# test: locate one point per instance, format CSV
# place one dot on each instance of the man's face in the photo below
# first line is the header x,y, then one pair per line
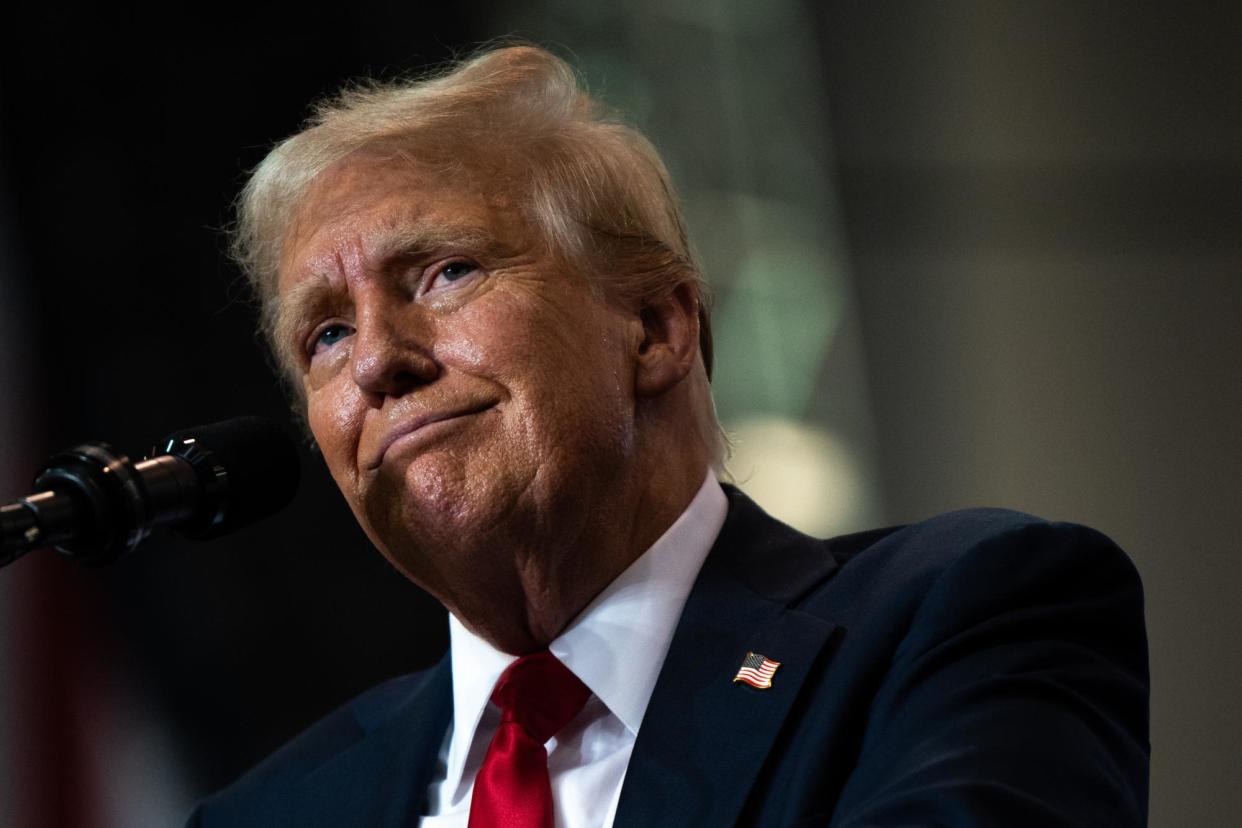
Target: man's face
x,y
471,395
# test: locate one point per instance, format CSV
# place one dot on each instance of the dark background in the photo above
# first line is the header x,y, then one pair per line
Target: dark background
x,y
1041,204
122,149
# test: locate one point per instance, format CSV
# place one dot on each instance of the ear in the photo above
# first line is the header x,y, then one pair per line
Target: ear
x,y
670,341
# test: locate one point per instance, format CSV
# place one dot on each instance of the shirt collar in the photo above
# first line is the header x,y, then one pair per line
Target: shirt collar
x,y
616,645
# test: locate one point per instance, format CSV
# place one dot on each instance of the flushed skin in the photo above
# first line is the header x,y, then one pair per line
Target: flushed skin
x,y
499,427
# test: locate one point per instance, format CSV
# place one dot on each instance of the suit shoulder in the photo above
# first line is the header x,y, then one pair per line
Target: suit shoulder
x,y
985,550
939,542
993,646
310,749
896,564
373,707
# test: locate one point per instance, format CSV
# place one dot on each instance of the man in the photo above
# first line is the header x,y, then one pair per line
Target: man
x,y
481,289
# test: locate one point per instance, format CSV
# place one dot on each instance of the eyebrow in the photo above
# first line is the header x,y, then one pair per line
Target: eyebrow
x,y
315,295
296,309
421,238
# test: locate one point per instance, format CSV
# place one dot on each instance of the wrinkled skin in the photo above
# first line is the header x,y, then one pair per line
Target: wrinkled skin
x,y
497,428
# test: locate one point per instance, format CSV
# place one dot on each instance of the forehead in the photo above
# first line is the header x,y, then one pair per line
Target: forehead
x,y
367,207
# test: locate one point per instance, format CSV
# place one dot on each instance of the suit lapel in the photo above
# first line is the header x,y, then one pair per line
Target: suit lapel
x,y
381,780
704,738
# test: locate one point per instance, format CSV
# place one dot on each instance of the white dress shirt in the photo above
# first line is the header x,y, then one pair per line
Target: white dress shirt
x,y
616,646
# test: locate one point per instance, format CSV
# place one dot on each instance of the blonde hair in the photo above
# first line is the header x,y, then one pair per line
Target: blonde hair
x,y
593,186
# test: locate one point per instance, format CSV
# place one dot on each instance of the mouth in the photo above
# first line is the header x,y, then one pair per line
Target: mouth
x,y
421,427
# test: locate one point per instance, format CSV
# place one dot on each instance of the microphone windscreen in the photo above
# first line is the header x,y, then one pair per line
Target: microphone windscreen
x,y
260,463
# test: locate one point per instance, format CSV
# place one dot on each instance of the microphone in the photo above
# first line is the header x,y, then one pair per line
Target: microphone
x,y
94,504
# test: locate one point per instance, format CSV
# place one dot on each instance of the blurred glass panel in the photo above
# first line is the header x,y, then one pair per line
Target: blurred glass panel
x,y
722,89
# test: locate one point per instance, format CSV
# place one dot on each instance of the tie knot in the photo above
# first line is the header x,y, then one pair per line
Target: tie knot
x,y
539,693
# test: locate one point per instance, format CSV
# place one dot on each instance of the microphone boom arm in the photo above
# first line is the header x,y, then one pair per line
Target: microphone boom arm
x,y
94,504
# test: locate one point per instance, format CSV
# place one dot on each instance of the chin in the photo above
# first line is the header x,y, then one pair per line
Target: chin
x,y
436,500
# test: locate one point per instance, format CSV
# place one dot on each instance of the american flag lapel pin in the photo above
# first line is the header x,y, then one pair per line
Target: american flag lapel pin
x,y
757,671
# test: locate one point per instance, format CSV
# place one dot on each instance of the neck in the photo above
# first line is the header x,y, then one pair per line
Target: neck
x,y
551,587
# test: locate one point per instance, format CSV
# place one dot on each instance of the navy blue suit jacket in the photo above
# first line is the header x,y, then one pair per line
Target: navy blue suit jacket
x,y
980,668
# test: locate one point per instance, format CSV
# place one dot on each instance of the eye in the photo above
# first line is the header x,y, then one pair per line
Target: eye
x,y
327,336
450,272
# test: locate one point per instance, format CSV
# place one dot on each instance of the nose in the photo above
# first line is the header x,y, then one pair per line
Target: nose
x,y
392,348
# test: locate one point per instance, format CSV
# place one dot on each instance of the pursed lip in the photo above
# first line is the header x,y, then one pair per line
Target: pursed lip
x,y
416,424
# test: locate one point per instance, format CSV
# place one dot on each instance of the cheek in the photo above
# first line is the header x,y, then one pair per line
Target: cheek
x,y
576,389
327,367
561,368
490,336
520,336
465,345
335,418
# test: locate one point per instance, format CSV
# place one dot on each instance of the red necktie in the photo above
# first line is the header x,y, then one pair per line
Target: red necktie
x,y
537,696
